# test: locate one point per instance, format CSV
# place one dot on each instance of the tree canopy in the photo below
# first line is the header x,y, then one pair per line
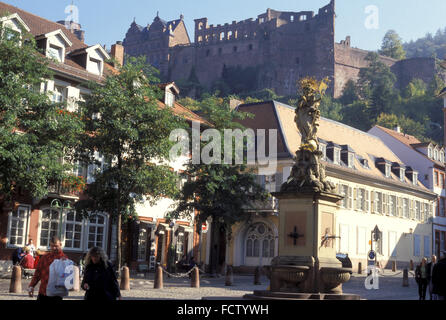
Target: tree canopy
x,y
392,46
36,134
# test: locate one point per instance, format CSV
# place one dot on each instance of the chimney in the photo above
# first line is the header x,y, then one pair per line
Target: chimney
x,y
117,52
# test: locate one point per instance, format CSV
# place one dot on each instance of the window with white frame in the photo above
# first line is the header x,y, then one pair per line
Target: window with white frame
x,y
169,99
406,208
435,154
55,52
323,149
417,210
378,202
415,178
336,156
429,152
96,231
49,226
344,192
442,156
180,246
402,174
351,158
392,205
426,212
58,94
73,230
95,66
387,170
18,221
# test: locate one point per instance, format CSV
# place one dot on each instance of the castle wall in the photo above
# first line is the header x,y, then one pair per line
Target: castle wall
x,y
348,62
415,68
283,46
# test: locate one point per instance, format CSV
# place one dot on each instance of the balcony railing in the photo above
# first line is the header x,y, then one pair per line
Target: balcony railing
x,y
62,189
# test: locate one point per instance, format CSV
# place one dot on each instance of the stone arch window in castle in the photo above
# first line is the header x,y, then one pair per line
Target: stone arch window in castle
x,y
250,47
235,49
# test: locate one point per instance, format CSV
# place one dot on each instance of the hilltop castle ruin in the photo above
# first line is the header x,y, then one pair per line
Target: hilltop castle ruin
x,y
282,47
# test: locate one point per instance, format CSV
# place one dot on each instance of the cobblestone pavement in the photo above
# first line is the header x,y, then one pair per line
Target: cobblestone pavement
x,y
390,288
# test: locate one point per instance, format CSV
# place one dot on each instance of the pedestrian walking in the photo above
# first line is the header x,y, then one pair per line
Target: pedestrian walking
x,y
99,280
439,278
31,247
421,279
28,260
17,256
42,272
430,268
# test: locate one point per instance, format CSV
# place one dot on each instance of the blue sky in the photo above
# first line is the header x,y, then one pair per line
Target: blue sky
x,y
107,21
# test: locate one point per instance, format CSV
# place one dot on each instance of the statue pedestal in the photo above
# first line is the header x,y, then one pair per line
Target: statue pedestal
x,y
307,267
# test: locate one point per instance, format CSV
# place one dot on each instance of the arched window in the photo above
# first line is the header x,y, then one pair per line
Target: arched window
x,y
49,227
260,241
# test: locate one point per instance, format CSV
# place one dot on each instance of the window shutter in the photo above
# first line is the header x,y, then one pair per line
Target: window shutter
x,y
367,201
399,208
49,86
349,200
411,209
386,204
372,199
355,198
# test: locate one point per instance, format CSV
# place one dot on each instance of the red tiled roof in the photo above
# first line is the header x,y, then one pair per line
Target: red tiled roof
x,y
402,137
39,26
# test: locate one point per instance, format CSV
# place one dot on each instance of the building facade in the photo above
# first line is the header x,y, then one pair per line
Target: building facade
x,y
145,239
377,192
428,159
278,47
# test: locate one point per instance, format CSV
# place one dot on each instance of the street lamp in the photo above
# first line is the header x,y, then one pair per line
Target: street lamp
x,y
58,205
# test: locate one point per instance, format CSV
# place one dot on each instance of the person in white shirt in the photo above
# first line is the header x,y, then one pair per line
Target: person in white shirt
x,y
32,248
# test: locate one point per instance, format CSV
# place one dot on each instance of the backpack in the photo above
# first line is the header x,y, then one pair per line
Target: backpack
x,y
60,278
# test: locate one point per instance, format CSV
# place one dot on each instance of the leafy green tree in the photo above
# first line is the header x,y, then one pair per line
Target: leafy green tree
x,y
220,191
331,109
350,93
35,134
376,84
416,88
407,125
392,46
126,125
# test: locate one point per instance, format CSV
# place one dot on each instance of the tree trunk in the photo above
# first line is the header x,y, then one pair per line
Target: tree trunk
x,y
118,239
213,262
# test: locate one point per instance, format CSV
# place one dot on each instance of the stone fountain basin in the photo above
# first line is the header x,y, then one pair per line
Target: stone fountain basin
x,y
290,274
333,277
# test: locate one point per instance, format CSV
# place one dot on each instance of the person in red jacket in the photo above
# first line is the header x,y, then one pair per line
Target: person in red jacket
x,y
36,260
28,260
43,270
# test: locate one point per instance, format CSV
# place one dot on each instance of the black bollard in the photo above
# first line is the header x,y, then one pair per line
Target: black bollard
x,y
257,277
405,278
229,276
359,268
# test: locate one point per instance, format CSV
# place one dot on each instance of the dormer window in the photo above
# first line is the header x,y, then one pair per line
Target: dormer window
x,y
54,44
12,26
402,174
399,170
436,154
429,152
55,53
334,153
170,99
170,92
91,58
348,156
387,169
415,178
95,66
442,156
323,149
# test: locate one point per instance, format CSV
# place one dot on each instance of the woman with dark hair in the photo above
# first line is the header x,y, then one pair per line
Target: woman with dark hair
x,y
99,280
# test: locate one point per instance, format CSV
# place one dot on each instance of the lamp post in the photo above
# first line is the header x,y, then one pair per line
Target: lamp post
x,y
57,204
